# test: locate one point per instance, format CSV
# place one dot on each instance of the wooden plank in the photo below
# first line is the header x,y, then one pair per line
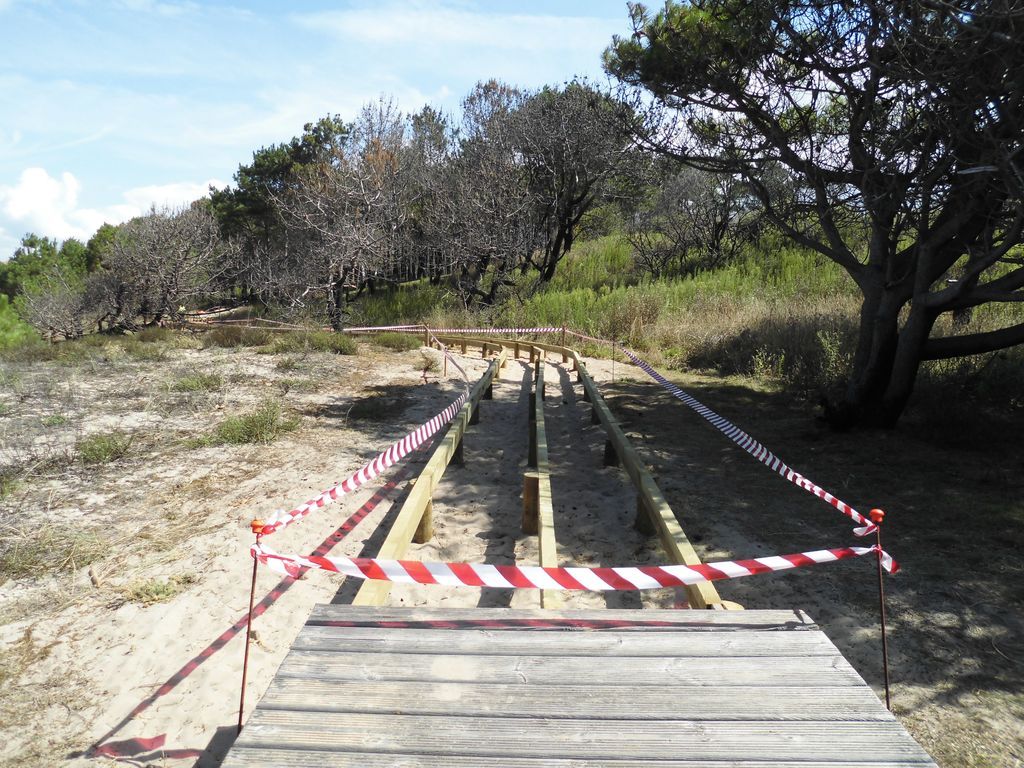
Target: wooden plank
x,y
566,670
255,757
677,545
525,642
612,702
628,620
580,738
411,514
547,545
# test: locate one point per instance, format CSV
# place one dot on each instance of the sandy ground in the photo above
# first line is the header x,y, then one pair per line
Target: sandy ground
x,y
88,663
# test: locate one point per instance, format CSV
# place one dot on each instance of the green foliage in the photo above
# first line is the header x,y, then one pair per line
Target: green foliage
x,y
103,448
198,382
262,425
400,342
408,303
54,420
14,331
38,257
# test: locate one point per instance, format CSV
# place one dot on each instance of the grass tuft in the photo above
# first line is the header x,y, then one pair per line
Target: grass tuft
x,y
262,425
198,382
103,448
154,591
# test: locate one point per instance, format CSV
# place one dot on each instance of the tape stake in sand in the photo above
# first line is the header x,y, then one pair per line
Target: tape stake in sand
x,y
535,577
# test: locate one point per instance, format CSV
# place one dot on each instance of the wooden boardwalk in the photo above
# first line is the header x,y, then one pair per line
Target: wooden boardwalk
x,y
374,687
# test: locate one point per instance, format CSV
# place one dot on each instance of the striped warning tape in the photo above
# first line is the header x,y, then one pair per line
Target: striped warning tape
x,y
496,330
570,578
755,448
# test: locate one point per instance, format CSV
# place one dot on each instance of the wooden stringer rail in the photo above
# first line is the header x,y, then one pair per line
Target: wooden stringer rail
x,y
538,511
654,514
415,518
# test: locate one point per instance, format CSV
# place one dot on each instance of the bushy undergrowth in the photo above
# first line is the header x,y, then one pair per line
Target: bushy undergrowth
x,y
400,342
314,341
14,332
231,336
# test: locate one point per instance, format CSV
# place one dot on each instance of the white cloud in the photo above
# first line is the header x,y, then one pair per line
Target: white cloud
x,y
50,206
430,25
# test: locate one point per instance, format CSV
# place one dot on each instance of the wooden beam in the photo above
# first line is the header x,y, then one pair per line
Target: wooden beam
x,y
652,501
410,517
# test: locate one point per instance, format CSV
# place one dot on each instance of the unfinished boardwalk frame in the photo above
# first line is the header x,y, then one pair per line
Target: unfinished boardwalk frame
x,y
415,519
654,514
538,510
501,688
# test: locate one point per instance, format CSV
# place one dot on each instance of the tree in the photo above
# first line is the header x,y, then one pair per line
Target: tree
x,y
161,261
571,142
694,220
898,127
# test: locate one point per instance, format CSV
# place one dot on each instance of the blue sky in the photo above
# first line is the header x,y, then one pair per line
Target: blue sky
x,y
109,107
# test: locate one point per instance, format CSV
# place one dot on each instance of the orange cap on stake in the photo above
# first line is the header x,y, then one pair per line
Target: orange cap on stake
x,y
257,526
877,516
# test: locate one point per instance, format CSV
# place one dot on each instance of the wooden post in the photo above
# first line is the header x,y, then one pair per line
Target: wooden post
x,y
594,418
531,507
426,336
611,458
425,530
458,458
515,351
474,416
489,392
643,523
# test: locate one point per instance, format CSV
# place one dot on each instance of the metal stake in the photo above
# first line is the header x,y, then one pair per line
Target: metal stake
x,y
877,516
256,524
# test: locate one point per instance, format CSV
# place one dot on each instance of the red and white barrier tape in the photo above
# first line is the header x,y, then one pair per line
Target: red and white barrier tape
x,y
572,578
755,449
495,330
383,328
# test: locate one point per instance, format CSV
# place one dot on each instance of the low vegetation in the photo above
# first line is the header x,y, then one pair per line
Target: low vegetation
x,y
262,425
151,591
198,382
400,342
47,550
104,447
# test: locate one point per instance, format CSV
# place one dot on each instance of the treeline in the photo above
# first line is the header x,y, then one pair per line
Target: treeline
x,y
487,204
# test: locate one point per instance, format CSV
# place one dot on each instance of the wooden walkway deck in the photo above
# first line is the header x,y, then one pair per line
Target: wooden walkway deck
x,y
373,687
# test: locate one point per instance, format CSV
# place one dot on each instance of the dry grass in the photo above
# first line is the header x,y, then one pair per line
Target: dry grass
x,y
151,591
50,549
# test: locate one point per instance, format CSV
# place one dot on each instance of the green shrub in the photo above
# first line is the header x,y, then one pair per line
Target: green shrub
x,y
198,382
54,420
14,332
103,448
263,425
234,336
287,364
400,342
